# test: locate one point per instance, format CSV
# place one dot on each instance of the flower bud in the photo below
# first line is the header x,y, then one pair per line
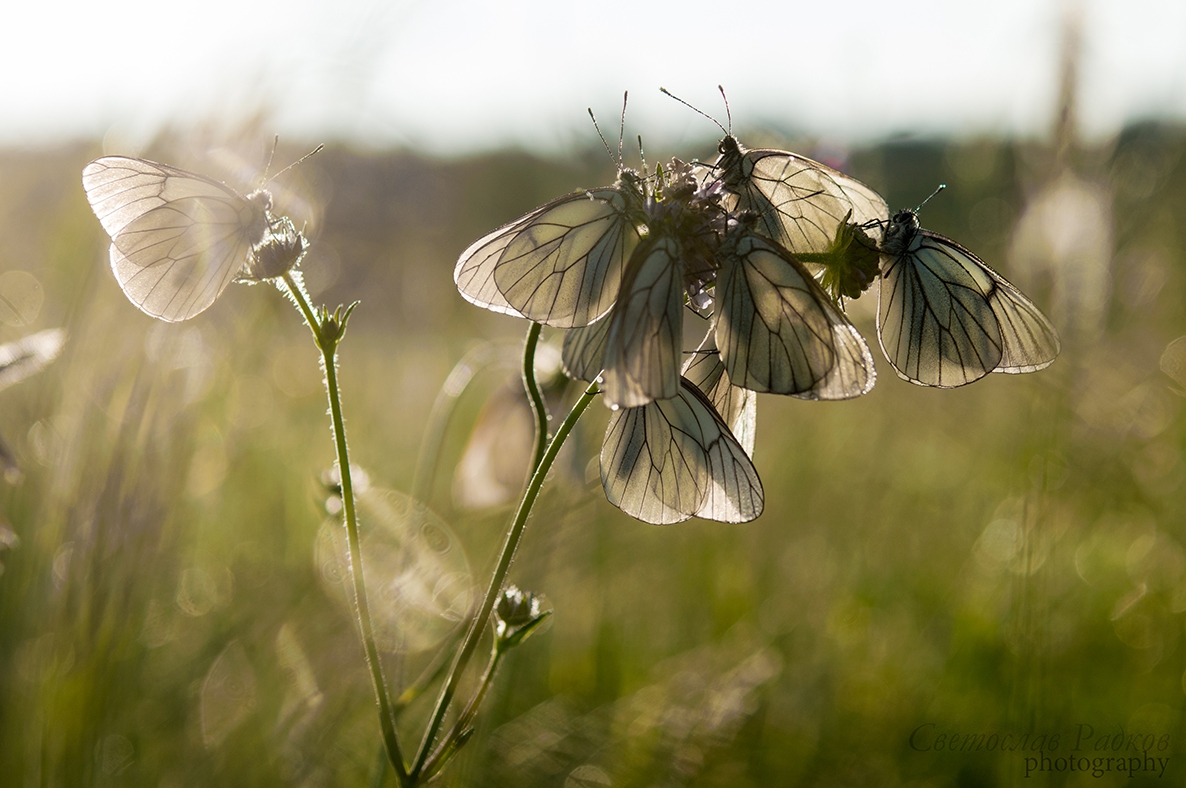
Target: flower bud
x,y
516,616
280,251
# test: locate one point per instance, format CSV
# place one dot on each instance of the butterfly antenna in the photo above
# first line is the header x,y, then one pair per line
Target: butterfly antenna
x,y
669,94
603,141
942,186
728,112
272,155
318,149
622,126
642,155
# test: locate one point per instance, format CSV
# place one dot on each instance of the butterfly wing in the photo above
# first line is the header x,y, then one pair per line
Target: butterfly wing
x,y
800,203
1030,341
177,238
583,353
737,406
643,340
935,321
779,332
675,458
560,265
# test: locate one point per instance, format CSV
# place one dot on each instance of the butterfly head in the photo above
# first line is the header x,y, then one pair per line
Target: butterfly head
x,y
900,232
262,199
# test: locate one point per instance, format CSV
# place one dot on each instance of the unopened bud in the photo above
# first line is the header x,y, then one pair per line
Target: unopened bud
x,y
517,615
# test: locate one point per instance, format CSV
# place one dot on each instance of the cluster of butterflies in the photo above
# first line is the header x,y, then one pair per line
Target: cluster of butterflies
x,y
767,244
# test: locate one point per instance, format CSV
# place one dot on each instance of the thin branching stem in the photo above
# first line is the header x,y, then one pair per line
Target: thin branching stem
x,y
495,588
448,746
327,341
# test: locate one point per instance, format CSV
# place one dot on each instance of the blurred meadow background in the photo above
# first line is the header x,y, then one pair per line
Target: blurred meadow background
x,y
1004,558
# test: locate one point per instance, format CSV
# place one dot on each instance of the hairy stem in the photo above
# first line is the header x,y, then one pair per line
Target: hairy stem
x,y
327,342
496,582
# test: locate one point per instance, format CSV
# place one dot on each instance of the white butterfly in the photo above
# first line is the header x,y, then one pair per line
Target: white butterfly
x,y
800,203
945,318
177,238
673,459
561,264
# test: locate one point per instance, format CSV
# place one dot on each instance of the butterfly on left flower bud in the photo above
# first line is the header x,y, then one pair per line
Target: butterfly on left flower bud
x,y
179,238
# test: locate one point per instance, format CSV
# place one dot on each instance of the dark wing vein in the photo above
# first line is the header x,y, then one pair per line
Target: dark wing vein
x,y
705,370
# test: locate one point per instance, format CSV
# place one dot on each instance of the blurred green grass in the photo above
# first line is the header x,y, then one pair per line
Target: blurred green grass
x,y
1007,557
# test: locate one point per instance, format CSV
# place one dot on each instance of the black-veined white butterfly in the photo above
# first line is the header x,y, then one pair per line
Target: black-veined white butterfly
x,y
944,318
675,458
800,203
777,330
561,264
637,347
177,238
584,351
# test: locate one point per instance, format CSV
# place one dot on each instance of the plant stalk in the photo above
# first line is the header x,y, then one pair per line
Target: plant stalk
x,y
329,346
514,535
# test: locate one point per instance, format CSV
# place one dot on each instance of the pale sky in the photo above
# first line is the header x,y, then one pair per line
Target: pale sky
x,y
463,75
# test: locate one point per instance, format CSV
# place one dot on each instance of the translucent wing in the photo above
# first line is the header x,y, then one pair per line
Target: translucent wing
x,y
560,265
737,406
177,238
642,345
1030,341
800,203
584,350
675,458
946,319
778,332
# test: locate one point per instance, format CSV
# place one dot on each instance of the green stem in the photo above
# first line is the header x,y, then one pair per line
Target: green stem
x,y
327,342
538,408
442,754
504,564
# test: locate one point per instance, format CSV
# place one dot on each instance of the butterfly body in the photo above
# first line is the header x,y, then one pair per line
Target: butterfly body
x,y
945,318
177,238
